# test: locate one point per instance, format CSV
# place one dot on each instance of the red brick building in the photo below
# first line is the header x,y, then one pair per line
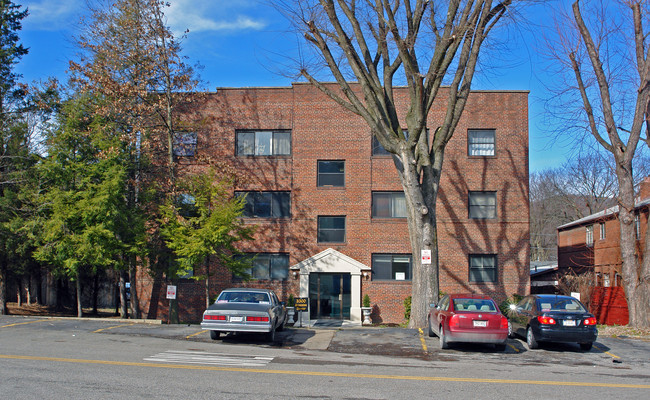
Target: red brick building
x,y
591,245
330,207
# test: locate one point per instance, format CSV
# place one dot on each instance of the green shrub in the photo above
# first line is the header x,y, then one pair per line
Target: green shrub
x,y
505,304
407,308
366,301
291,302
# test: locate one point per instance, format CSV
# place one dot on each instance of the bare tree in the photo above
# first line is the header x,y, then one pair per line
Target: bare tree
x,y
373,42
605,53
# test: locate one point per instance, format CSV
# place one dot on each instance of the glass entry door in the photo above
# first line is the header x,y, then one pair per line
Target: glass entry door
x,y
329,296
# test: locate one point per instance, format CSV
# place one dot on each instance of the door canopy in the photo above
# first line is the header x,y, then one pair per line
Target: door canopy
x,y
330,260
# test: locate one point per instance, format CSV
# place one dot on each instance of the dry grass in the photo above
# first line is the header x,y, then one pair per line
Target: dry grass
x,y
623,331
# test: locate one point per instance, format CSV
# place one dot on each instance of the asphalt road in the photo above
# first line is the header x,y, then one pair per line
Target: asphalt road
x,y
99,359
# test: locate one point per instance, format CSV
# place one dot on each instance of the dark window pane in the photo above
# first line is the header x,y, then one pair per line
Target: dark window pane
x,y
331,229
391,267
482,268
388,205
245,143
281,205
282,143
280,267
377,148
184,144
482,205
331,173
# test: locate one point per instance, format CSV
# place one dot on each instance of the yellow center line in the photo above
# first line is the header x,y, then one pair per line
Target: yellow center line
x,y
607,352
328,374
424,344
195,334
112,327
513,347
22,323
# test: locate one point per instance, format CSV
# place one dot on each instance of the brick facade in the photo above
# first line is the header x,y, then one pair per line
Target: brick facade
x,y
322,130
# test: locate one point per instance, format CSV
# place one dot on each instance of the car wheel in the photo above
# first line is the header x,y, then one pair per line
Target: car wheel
x,y
500,347
431,334
214,335
511,334
586,346
271,335
443,338
530,339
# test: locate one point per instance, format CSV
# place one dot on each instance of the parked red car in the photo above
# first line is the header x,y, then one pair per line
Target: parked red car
x,y
469,318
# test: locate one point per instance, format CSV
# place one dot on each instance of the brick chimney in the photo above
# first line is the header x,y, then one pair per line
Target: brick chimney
x,y
644,188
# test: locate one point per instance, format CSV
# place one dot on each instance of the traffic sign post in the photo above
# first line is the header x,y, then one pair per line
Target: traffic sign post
x,y
171,295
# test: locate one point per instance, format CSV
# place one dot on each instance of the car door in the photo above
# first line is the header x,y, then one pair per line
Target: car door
x,y
442,312
520,315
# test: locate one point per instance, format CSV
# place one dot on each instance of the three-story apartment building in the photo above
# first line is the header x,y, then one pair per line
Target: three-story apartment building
x,y
330,208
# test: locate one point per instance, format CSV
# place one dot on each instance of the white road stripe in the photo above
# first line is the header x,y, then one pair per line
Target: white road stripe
x,y
198,357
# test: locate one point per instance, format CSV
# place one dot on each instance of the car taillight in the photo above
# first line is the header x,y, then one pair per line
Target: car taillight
x,y
215,317
257,319
590,321
504,322
546,320
454,321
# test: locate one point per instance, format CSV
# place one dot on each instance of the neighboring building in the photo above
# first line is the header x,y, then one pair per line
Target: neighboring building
x,y
331,210
591,245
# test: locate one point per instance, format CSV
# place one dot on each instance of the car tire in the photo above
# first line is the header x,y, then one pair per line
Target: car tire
x,y
530,339
214,335
500,347
443,338
586,346
270,336
511,333
431,333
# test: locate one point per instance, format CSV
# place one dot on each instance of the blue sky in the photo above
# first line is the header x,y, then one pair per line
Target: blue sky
x,y
236,42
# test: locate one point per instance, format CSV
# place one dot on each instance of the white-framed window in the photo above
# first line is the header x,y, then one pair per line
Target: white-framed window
x,y
482,268
331,229
637,226
603,232
482,205
266,204
481,142
589,240
396,267
263,143
388,205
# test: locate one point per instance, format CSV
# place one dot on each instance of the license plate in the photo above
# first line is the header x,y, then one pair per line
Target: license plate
x,y
569,322
236,319
480,324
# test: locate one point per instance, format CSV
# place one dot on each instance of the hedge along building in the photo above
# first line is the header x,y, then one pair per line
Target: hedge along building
x,y
330,208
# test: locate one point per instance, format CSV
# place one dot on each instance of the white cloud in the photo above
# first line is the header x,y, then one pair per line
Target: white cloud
x,y
52,14
213,15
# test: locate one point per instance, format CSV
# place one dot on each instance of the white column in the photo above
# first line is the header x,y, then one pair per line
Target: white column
x,y
355,294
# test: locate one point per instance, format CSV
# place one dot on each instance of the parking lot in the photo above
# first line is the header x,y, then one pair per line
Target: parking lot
x,y
612,352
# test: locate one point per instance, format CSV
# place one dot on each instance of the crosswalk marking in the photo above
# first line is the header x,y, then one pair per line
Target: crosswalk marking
x,y
199,357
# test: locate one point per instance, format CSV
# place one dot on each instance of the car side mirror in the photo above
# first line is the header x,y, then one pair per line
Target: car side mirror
x,y
432,305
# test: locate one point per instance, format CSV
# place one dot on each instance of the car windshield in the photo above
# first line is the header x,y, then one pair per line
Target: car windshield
x,y
474,305
560,304
243,297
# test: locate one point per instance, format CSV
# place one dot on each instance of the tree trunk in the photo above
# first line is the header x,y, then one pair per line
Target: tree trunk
x,y
3,290
207,281
124,311
636,287
95,292
19,292
78,287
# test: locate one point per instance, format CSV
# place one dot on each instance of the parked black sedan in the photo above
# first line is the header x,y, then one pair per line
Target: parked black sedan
x,y
552,318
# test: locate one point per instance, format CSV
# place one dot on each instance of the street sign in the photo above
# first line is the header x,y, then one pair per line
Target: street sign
x,y
426,256
171,292
302,303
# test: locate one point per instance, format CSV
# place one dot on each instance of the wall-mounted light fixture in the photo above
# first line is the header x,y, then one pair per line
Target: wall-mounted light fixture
x,y
366,275
295,274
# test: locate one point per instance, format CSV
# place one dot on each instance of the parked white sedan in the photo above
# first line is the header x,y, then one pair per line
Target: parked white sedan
x,y
245,310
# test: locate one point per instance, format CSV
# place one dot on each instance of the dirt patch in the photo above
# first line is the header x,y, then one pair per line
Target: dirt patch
x,y
39,310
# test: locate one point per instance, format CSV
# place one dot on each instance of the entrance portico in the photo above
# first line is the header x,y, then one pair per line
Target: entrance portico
x,y
332,282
